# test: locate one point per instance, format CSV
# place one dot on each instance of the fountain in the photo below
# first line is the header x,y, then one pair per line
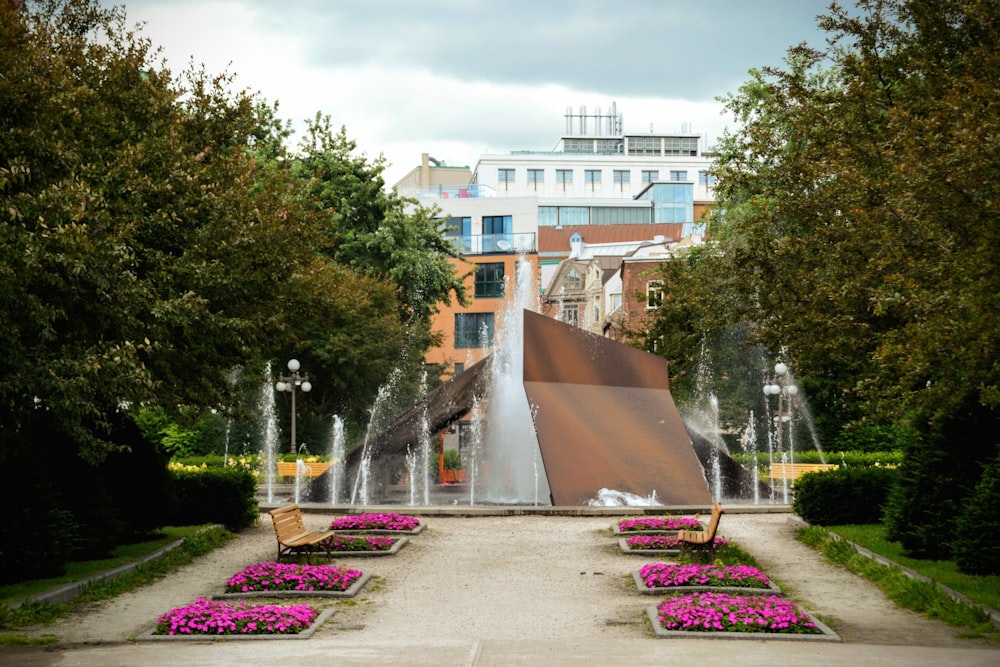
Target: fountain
x,y
510,472
337,451
266,409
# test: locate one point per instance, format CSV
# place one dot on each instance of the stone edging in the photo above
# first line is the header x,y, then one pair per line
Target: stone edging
x,y
349,592
68,591
912,574
623,545
643,589
380,531
305,634
396,546
827,635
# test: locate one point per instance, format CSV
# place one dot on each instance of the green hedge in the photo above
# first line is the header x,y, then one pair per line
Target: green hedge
x,y
216,495
842,496
976,541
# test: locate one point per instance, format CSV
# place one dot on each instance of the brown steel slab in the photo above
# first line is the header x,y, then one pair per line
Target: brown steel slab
x,y
605,418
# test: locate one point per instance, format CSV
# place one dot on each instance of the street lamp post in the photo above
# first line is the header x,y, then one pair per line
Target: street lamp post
x,y
294,380
783,386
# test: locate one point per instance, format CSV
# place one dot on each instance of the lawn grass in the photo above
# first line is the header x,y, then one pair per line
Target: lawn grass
x,y
125,553
198,541
927,598
983,589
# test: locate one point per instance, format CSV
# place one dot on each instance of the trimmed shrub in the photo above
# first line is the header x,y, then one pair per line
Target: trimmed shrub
x,y
976,546
843,496
942,464
216,495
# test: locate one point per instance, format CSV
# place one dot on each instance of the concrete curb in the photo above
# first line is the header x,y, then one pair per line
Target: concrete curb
x,y
68,591
912,574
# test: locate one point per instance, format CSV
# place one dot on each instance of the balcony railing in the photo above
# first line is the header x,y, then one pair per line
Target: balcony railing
x,y
488,244
436,192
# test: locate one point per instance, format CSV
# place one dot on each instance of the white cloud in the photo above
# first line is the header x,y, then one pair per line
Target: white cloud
x,y
459,79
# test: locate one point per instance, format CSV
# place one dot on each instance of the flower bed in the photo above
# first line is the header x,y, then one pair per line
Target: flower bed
x,y
206,619
712,614
273,579
658,544
657,524
378,523
364,545
657,578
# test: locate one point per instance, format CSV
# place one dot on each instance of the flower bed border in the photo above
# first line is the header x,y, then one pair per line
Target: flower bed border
x,y
320,619
616,529
826,634
380,531
349,592
643,589
391,551
646,552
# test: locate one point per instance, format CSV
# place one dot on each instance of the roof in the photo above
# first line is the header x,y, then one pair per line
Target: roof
x,y
555,240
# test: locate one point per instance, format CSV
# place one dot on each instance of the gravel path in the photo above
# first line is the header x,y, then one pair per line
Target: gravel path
x,y
525,578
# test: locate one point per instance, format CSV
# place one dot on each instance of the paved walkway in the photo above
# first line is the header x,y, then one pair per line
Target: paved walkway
x,y
516,590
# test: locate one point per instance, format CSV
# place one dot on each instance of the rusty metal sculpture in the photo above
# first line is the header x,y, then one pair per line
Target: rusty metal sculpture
x,y
602,412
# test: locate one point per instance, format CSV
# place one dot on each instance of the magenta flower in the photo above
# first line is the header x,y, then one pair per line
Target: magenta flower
x,y
665,575
206,617
720,612
384,521
272,576
359,542
659,523
663,542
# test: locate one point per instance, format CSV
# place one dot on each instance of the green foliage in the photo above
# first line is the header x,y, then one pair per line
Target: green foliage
x,y
920,596
976,543
36,613
835,239
943,462
844,495
452,459
870,437
216,495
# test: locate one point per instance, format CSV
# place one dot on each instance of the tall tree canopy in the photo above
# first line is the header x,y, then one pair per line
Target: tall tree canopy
x,y
859,221
156,235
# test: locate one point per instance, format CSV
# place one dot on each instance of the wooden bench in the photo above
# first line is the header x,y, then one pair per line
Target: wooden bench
x,y
312,468
793,471
293,538
702,540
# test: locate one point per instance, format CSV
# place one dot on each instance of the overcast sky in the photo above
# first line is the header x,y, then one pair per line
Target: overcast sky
x,y
459,78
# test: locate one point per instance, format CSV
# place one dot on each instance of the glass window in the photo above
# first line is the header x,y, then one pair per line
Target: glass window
x,y
654,294
564,178
650,176
505,177
574,215
536,177
489,279
616,301
548,216
498,224
621,177
620,215
592,177
571,315
705,178
473,330
574,280
678,175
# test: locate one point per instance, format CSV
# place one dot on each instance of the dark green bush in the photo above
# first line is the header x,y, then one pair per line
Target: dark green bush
x,y
941,465
976,544
216,495
842,496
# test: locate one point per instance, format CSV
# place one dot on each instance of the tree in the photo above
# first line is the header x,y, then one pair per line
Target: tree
x,y
858,226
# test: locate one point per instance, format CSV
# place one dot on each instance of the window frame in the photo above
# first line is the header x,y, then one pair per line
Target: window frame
x,y
487,284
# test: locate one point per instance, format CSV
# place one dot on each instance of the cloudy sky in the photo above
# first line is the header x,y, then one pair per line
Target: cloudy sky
x,y
459,78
